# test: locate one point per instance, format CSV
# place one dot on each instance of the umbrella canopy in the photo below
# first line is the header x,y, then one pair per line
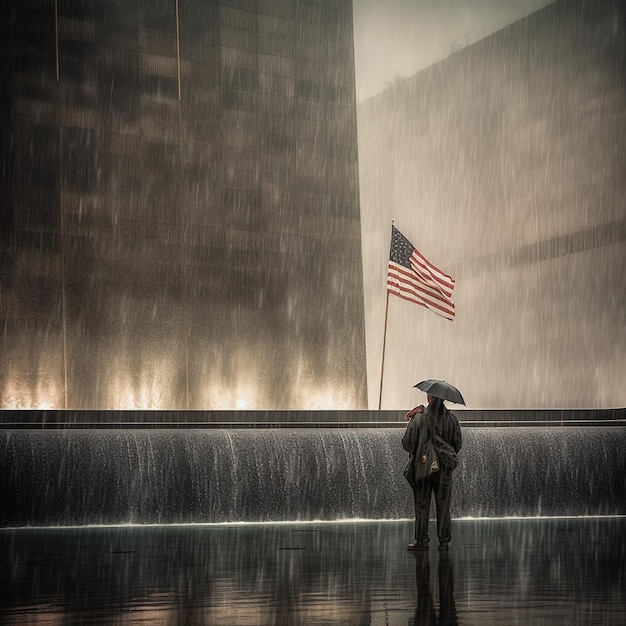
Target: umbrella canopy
x,y
441,389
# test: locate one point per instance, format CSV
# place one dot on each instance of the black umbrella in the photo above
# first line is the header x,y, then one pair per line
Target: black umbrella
x,y
441,389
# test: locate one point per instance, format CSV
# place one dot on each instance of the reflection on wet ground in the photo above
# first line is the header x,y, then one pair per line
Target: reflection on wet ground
x,y
530,571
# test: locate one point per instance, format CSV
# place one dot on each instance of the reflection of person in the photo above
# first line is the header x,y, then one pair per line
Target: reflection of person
x,y
447,607
425,613
436,419
425,608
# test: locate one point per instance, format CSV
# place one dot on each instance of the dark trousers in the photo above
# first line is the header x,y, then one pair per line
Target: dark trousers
x,y
441,485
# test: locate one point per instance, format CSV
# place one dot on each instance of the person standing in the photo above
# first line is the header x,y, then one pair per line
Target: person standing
x,y
443,425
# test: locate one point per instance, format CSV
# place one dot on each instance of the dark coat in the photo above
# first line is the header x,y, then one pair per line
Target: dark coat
x,y
442,422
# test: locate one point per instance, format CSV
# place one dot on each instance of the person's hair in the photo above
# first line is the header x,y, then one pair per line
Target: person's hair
x,y
436,412
437,408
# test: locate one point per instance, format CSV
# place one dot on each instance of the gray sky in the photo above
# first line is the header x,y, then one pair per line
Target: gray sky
x,y
398,38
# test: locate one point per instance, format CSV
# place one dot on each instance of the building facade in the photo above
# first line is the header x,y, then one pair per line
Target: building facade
x,y
504,165
180,206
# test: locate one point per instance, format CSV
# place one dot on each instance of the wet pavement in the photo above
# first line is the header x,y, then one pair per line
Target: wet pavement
x,y
526,571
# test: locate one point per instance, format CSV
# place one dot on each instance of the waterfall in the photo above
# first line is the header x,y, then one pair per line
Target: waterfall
x,y
84,477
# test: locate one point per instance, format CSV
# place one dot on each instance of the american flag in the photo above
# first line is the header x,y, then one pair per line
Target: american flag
x,y
412,277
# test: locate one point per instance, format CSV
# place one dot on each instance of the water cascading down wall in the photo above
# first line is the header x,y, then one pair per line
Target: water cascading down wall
x,y
79,476
179,206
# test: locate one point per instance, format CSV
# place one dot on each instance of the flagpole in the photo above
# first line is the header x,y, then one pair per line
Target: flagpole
x,y
382,366
382,363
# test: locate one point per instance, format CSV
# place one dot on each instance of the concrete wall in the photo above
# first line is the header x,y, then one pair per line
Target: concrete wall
x,y
504,165
179,210
292,419
120,476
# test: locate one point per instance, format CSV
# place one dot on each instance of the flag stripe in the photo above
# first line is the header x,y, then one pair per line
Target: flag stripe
x,y
412,277
445,282
445,278
413,291
433,306
402,285
404,276
433,284
445,314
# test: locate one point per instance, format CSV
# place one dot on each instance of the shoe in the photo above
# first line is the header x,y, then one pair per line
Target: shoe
x,y
443,547
418,546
